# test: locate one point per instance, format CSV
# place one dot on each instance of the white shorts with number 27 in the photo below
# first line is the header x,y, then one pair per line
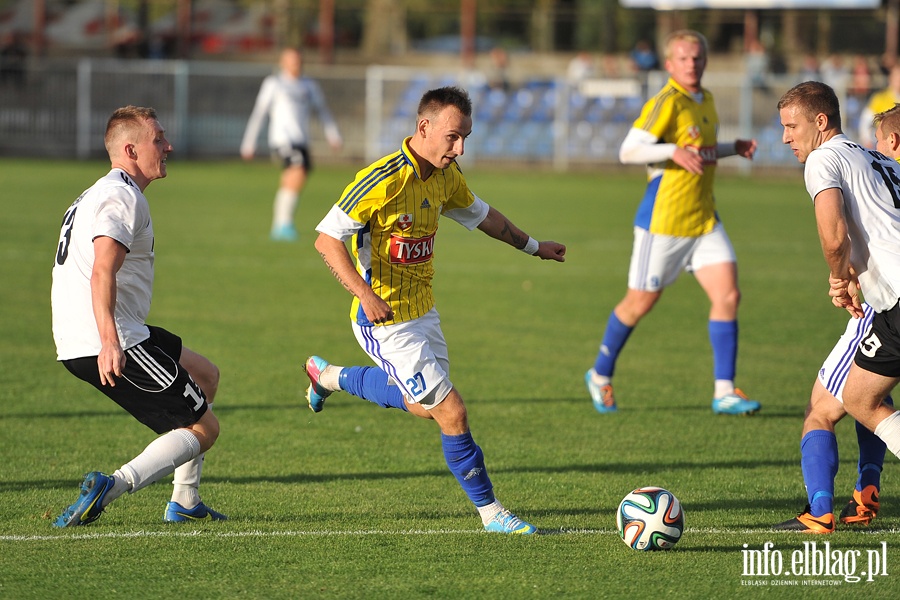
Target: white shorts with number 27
x,y
413,354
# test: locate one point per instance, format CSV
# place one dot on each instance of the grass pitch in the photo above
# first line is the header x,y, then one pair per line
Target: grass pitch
x,y
356,502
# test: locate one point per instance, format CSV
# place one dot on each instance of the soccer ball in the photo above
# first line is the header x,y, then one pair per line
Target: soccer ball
x,y
650,518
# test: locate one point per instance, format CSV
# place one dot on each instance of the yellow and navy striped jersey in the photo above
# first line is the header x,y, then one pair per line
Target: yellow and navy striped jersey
x,y
677,202
399,213
882,101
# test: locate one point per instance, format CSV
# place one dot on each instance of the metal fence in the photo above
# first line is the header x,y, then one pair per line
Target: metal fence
x,y
61,108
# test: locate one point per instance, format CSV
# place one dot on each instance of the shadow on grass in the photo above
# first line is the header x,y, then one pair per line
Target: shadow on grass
x,y
611,468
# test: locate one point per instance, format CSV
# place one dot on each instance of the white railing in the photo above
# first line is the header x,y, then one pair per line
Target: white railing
x,y
62,109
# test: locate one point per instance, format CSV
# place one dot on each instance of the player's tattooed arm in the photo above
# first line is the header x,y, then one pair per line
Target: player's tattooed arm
x,y
516,237
337,257
335,272
335,254
500,228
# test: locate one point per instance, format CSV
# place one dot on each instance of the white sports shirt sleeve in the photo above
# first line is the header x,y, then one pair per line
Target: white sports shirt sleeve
x,y
288,103
338,224
113,207
870,185
471,216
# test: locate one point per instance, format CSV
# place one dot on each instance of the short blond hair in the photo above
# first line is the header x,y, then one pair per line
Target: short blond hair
x,y
687,35
127,121
889,120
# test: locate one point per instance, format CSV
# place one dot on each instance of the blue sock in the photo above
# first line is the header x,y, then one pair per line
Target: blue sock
x,y
819,463
370,383
871,456
613,341
723,335
466,462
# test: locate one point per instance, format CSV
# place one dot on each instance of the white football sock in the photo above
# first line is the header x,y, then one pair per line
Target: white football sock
x,y
285,207
120,486
186,482
330,378
600,380
889,432
160,458
723,387
488,512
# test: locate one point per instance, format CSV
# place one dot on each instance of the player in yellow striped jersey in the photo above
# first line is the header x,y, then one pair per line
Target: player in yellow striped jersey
x,y
880,102
390,216
676,228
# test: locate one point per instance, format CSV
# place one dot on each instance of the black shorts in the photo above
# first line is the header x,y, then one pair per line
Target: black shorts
x,y
295,156
879,350
154,388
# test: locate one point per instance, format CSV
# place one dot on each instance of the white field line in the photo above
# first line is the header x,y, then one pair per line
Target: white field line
x,y
351,533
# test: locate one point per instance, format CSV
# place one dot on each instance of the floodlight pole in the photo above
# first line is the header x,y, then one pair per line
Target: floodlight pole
x,y
892,28
183,12
467,14
326,31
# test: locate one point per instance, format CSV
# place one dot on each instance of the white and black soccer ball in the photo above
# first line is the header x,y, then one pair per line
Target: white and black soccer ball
x,y
650,518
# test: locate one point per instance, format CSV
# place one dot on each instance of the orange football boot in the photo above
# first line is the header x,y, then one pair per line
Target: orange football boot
x,y
862,508
806,523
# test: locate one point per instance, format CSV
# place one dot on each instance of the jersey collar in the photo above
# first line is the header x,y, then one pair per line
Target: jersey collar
x,y
684,91
410,157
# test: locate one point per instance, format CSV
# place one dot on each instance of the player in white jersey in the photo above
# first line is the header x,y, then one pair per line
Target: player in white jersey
x,y
100,298
856,193
288,100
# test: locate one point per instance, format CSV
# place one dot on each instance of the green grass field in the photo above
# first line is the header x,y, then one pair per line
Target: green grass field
x,y
356,502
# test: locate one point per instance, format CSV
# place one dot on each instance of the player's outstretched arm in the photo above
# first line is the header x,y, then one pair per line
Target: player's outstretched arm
x,y
745,148
500,228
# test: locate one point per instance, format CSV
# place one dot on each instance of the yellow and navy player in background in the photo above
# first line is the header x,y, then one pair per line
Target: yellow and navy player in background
x,y
880,102
676,227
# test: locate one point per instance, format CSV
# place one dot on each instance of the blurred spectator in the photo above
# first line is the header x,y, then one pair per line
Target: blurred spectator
x,y
643,57
756,65
777,63
879,102
13,55
581,67
809,69
835,73
611,66
156,48
886,62
861,78
497,72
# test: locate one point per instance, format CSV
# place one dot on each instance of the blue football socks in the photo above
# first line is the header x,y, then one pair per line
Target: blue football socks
x,y
371,383
819,463
871,456
613,341
723,336
466,462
